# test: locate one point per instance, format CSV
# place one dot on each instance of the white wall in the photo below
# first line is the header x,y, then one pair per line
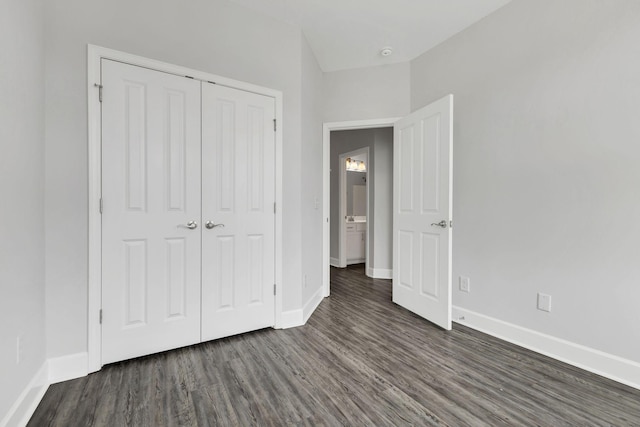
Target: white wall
x,y
22,288
546,175
215,36
311,175
367,93
383,204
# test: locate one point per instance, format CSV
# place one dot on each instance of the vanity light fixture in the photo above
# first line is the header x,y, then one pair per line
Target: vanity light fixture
x,y
356,165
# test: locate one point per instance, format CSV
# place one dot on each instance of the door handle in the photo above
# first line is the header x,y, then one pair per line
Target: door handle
x,y
210,225
191,225
442,224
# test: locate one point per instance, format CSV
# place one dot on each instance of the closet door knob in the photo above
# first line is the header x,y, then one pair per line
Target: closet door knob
x,y
210,225
192,225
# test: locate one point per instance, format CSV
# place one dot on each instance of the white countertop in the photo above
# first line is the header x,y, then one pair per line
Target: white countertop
x,y
356,219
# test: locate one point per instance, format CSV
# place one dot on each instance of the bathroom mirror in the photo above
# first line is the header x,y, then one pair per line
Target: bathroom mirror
x,y
356,193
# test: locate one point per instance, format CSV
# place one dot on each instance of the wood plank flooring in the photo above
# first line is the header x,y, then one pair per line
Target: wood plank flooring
x,y
360,360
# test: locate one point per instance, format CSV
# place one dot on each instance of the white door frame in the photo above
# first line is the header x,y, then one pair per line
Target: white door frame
x,y
342,206
94,56
327,128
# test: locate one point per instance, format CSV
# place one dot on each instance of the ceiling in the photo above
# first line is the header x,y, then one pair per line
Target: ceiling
x,y
347,34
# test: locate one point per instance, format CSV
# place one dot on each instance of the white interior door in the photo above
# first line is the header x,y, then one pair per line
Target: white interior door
x,y
422,198
151,190
238,196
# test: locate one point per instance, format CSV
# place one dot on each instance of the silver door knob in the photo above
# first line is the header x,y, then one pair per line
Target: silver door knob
x,y
210,225
442,224
192,225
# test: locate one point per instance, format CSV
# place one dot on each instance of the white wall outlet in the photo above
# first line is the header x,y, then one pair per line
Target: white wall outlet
x,y
544,302
465,284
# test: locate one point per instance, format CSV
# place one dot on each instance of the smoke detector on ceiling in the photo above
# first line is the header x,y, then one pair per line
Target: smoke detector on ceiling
x,y
386,51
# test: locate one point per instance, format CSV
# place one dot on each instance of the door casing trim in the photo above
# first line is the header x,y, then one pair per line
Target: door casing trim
x,y
94,56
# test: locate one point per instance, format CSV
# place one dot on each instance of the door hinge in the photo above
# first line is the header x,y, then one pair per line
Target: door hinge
x,y
274,289
274,208
101,316
99,86
274,125
100,207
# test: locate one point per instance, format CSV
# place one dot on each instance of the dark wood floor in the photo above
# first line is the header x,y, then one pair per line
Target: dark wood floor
x,y
360,360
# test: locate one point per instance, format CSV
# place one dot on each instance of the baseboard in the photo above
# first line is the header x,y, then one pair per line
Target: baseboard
x,y
26,404
292,319
380,273
607,365
52,371
312,304
334,262
68,367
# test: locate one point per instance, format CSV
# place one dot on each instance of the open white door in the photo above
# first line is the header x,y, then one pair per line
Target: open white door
x,y
422,200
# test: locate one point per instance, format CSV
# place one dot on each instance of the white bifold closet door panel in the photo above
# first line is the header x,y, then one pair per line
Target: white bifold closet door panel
x,y
238,195
151,191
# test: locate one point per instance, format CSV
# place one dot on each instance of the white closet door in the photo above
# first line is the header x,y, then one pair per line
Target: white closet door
x,y
151,190
238,194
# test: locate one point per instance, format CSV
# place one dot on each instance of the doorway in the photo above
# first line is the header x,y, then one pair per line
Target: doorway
x,y
353,206
421,209
331,170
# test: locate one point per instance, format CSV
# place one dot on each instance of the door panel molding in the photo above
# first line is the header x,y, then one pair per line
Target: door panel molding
x,y
95,54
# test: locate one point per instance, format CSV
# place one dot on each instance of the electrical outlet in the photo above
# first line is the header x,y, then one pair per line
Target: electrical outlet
x,y
544,302
465,284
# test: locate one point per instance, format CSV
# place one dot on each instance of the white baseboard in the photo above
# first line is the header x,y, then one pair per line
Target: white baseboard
x,y
291,319
607,365
26,404
334,262
68,367
380,273
312,304
295,318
